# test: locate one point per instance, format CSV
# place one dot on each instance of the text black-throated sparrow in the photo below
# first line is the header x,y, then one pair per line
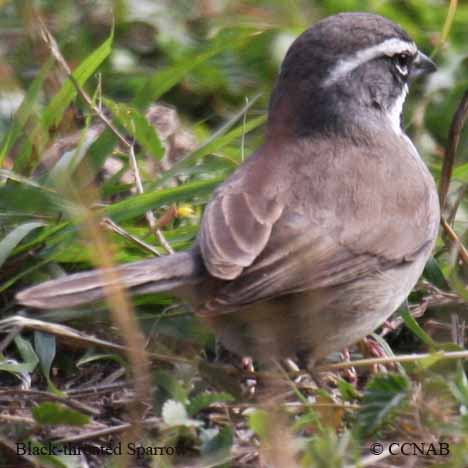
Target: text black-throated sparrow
x,y
321,234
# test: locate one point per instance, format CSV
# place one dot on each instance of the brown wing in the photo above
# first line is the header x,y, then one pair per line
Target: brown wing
x,y
296,259
237,223
340,217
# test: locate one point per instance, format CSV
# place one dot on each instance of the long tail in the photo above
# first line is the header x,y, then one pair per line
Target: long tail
x,y
154,275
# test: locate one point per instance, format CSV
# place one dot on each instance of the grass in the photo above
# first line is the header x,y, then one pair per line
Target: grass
x,y
136,377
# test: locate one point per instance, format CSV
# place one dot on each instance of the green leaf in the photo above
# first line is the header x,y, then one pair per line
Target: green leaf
x,y
139,204
11,281
429,361
44,343
14,237
433,273
218,141
44,235
60,461
171,385
100,150
459,385
23,180
29,357
259,421
64,168
15,367
25,110
54,112
347,391
384,396
308,419
204,400
94,148
55,109
163,80
98,357
54,413
461,172
414,326
219,444
138,127
18,197
50,459
326,450
26,149
388,351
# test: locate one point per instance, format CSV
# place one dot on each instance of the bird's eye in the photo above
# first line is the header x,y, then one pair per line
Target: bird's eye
x,y
402,63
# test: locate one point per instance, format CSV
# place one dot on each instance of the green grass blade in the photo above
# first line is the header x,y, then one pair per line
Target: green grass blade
x,y
414,326
138,204
54,112
138,127
13,238
215,143
163,80
24,111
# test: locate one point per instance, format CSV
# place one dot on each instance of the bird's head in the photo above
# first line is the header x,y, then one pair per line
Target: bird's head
x,y
351,68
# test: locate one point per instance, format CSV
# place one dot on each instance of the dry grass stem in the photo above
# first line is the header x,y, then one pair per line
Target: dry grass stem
x,y
389,359
458,121
98,110
114,227
452,235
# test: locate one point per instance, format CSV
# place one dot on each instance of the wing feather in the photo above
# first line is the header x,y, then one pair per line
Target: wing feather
x,y
235,230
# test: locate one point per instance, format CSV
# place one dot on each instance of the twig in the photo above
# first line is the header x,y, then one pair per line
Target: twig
x,y
72,403
452,235
72,336
9,338
456,127
99,92
296,405
458,199
109,224
452,9
97,389
149,214
12,419
402,358
150,422
79,338
95,434
54,49
435,298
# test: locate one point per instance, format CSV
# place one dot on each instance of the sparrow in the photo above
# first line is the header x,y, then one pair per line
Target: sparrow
x,y
319,236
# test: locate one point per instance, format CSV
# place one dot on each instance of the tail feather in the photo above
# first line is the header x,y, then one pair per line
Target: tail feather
x,y
154,275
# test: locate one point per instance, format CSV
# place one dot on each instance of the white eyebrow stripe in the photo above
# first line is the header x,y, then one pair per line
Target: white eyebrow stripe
x,y
389,47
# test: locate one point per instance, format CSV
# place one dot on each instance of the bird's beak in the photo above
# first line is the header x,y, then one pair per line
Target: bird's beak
x,y
422,66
